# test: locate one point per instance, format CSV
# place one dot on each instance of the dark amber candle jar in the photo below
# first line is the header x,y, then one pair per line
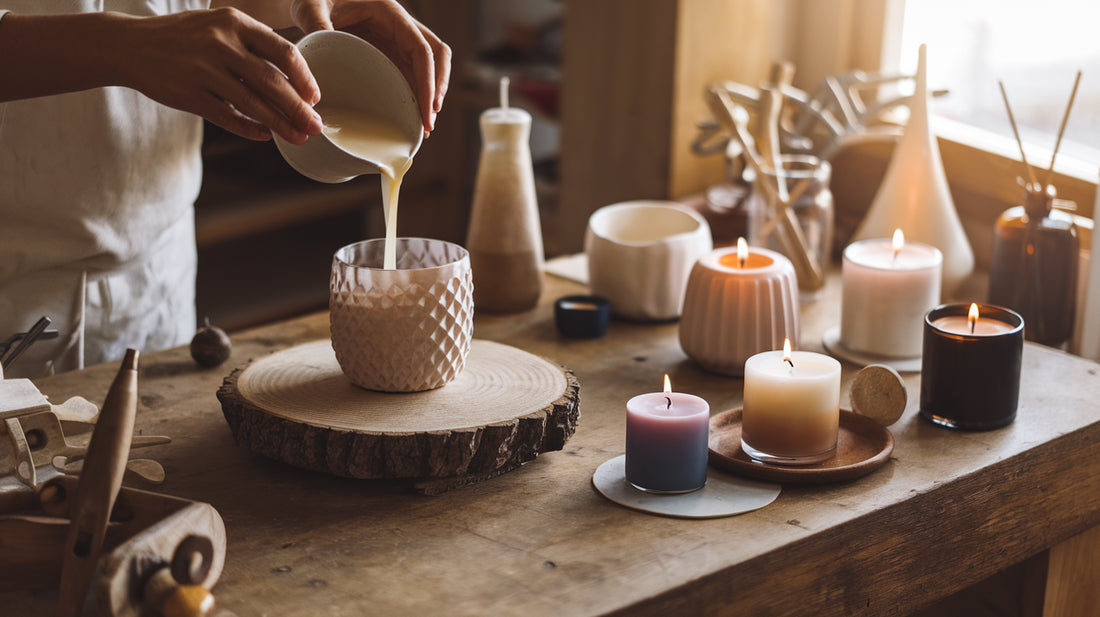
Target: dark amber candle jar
x,y
1034,267
971,380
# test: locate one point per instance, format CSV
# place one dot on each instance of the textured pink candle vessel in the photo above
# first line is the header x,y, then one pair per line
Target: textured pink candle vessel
x,y
737,306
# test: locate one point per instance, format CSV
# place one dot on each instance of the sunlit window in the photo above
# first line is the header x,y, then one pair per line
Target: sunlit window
x,y
1035,48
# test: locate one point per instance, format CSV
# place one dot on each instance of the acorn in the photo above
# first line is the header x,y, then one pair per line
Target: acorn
x,y
211,345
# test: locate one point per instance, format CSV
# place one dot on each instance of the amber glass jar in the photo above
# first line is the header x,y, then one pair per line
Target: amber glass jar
x,y
1034,268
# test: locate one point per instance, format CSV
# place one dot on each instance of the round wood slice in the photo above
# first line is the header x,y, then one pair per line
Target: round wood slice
x,y
504,409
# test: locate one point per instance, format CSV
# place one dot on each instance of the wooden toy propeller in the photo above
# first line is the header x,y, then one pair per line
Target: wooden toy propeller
x,y
98,487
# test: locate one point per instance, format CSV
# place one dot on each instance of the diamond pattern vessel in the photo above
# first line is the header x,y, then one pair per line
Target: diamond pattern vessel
x,y
403,330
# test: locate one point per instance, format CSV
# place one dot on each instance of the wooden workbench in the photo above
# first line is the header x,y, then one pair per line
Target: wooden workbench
x,y
949,509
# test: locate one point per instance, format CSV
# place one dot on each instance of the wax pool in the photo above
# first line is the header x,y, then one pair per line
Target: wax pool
x,y
666,445
791,413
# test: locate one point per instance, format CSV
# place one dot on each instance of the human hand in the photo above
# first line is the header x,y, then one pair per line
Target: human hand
x,y
226,67
423,59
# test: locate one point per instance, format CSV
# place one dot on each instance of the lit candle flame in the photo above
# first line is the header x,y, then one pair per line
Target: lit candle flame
x,y
898,242
742,252
972,318
504,81
668,390
787,352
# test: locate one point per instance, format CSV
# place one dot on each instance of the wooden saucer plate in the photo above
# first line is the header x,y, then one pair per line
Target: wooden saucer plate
x,y
863,446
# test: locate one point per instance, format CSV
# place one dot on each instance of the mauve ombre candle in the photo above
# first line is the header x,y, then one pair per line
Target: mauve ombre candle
x,y
666,441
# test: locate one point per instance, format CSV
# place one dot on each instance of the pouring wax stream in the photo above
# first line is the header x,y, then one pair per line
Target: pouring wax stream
x,y
378,141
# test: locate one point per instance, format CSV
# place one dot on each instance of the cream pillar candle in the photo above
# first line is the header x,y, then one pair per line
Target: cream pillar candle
x,y
888,286
791,412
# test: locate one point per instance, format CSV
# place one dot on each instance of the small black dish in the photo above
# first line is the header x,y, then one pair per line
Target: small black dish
x,y
582,316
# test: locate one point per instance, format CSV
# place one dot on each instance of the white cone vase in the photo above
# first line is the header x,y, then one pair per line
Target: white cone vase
x,y
914,196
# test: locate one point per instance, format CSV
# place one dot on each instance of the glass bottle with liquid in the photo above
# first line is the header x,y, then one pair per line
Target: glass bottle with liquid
x,y
1034,266
505,236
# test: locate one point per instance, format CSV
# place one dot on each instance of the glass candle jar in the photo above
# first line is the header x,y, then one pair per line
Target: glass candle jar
x,y
813,208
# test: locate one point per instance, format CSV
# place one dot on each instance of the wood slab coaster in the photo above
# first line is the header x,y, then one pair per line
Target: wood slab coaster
x,y
504,409
863,446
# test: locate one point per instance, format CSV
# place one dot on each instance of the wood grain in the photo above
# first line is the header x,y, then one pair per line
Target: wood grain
x,y
862,447
1073,577
948,510
506,408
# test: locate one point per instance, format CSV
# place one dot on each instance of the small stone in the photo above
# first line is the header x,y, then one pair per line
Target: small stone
x,y
879,393
211,346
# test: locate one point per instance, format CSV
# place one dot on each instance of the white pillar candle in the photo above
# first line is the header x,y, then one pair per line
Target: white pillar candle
x,y
887,289
792,408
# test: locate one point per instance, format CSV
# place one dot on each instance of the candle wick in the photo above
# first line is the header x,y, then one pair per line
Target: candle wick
x,y
741,263
789,361
972,326
669,406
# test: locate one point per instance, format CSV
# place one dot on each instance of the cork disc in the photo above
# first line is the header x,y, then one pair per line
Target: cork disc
x,y
505,408
879,393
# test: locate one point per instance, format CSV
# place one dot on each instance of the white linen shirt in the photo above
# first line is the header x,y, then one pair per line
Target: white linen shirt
x,y
96,214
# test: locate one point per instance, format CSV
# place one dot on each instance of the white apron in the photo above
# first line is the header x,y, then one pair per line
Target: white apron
x,y
96,215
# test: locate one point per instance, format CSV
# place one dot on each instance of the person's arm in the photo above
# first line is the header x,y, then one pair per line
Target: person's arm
x,y
220,64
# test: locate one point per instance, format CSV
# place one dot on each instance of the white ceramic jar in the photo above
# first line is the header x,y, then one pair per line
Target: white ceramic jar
x,y
640,254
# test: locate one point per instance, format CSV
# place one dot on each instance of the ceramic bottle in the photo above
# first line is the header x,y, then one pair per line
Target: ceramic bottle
x,y
505,236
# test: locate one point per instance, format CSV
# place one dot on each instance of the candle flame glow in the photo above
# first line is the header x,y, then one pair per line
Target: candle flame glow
x,y
787,352
972,317
898,242
742,252
668,384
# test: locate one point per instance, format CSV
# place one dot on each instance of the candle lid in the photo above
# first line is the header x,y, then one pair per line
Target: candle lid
x,y
879,394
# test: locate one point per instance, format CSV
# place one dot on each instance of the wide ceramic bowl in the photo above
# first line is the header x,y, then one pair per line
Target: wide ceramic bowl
x,y
352,74
640,254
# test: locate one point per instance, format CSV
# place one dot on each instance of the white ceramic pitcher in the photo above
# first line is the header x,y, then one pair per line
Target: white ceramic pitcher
x,y
352,74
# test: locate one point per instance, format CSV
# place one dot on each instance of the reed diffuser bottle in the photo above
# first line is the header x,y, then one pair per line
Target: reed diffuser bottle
x,y
505,236
1034,268
1035,251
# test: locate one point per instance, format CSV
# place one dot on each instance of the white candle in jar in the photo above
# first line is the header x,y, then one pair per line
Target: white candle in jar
x,y
888,286
792,406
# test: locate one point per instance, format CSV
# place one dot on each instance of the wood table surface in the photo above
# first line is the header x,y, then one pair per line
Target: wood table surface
x,y
949,508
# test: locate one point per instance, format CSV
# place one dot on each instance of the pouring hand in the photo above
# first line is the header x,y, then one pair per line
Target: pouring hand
x,y
423,58
227,67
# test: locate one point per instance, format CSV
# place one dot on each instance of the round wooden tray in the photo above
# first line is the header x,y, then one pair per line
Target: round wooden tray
x,y
503,410
863,446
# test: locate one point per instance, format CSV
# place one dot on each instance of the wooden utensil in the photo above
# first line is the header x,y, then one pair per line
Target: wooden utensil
x,y
767,128
98,487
